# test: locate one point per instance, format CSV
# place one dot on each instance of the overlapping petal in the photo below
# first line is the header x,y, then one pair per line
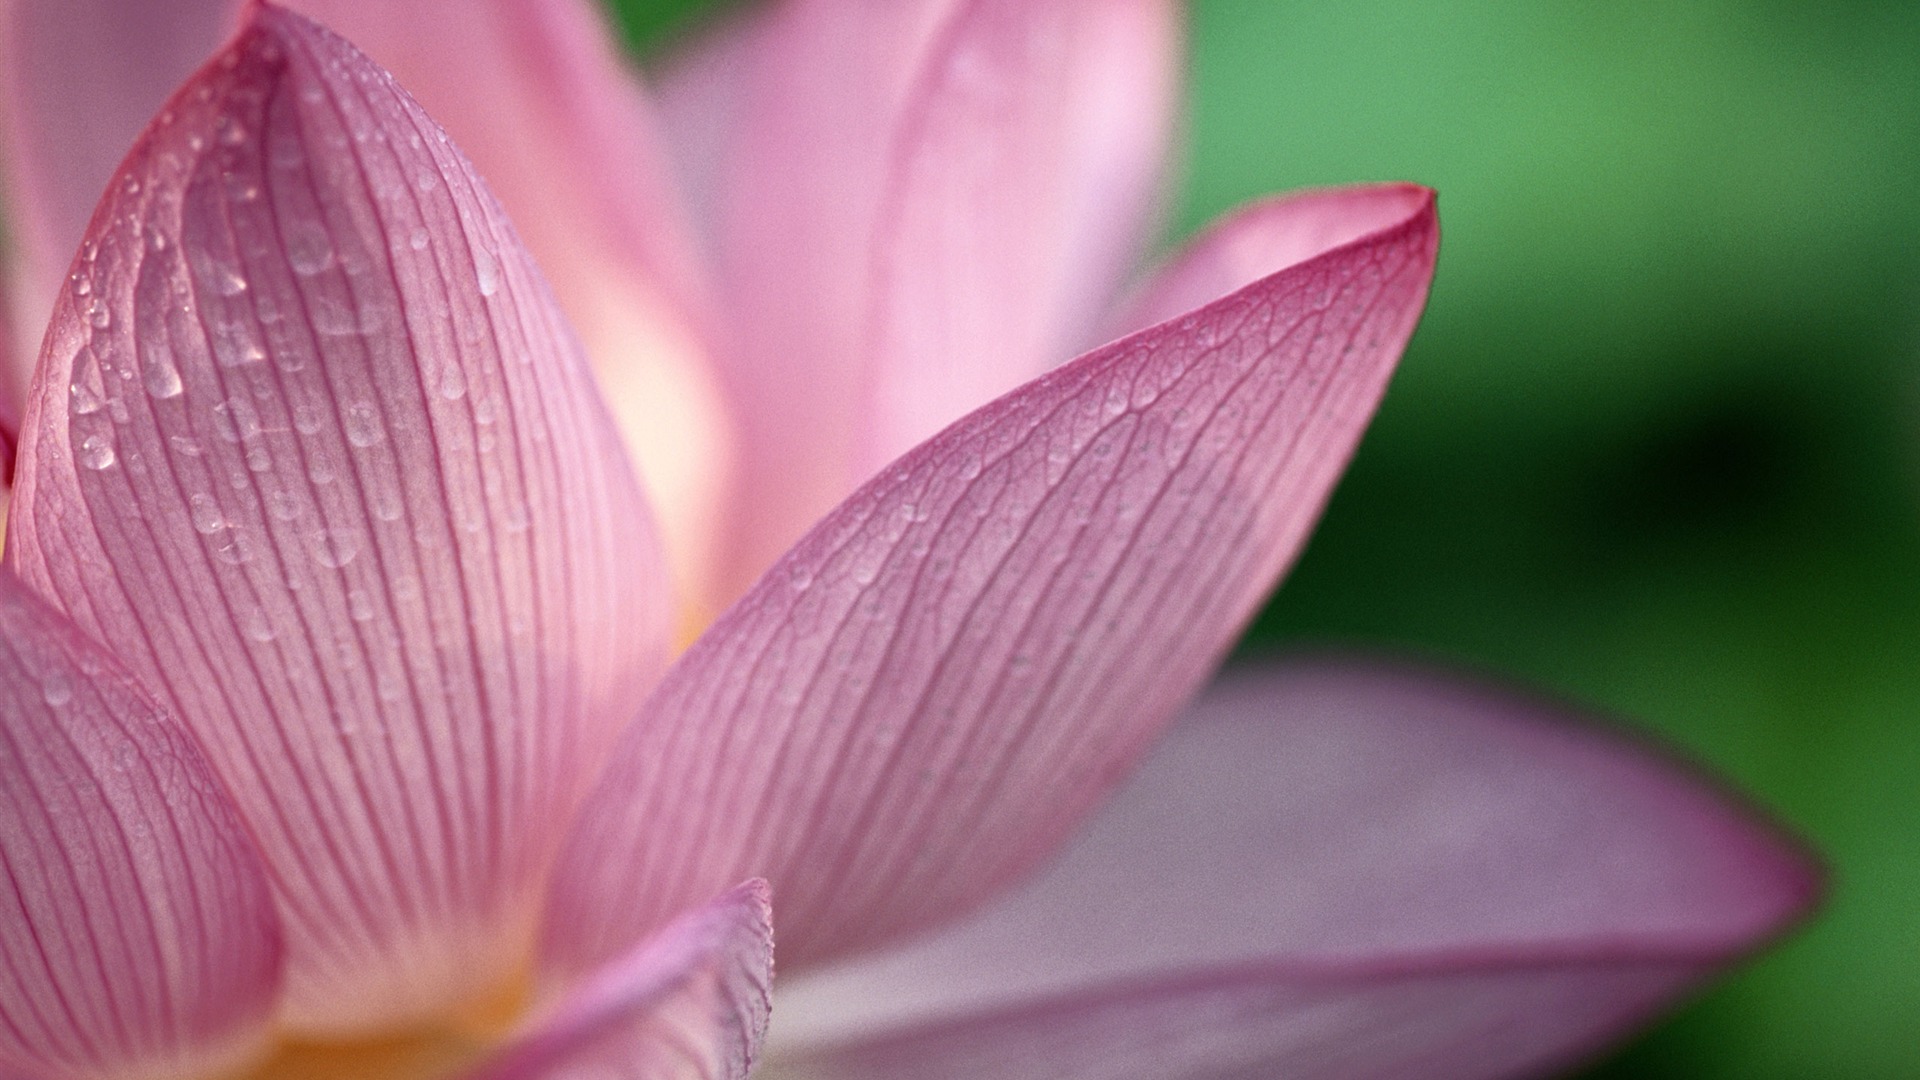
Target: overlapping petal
x,y
930,690
535,93
1334,871
313,453
1019,190
689,1004
137,930
959,145
81,79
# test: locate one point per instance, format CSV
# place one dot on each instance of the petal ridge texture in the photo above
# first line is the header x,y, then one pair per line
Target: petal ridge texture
x,y
924,696
137,929
536,92
313,452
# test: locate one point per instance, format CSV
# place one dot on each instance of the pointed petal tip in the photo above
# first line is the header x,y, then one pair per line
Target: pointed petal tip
x,y
302,335
1260,240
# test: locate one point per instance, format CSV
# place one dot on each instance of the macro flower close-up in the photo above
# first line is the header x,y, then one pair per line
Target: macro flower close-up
x,y
493,548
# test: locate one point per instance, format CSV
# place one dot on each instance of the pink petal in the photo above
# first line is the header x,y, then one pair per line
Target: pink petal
x,y
800,191
701,90
80,79
9,406
537,94
917,206
1450,1021
928,693
313,451
1020,189
1259,239
137,931
1338,870
691,1002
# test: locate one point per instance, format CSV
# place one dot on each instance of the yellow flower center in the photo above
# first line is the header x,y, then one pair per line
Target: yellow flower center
x,y
447,1047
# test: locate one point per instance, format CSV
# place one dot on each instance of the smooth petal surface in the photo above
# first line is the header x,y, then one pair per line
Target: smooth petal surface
x,y
701,88
925,696
313,452
535,92
1019,193
690,1004
81,78
1451,1022
801,182
939,219
1335,871
137,930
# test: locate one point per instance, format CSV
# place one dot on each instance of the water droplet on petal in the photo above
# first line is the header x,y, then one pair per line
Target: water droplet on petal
x,y
258,627
386,504
85,401
235,420
161,377
309,250
486,272
205,513
282,505
306,418
334,317
234,346
234,548
453,382
96,453
334,548
55,688
363,425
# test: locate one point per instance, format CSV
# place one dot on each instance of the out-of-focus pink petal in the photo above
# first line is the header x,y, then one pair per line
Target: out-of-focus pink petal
x,y
1336,870
1259,239
1019,192
801,184
692,1003
137,930
81,78
926,695
701,89
942,218
314,453
9,405
534,91
1444,1021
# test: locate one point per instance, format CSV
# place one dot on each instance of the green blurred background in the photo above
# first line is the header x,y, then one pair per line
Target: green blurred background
x,y
1657,444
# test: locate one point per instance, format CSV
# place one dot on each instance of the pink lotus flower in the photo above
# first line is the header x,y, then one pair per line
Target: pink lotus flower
x,y
341,736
